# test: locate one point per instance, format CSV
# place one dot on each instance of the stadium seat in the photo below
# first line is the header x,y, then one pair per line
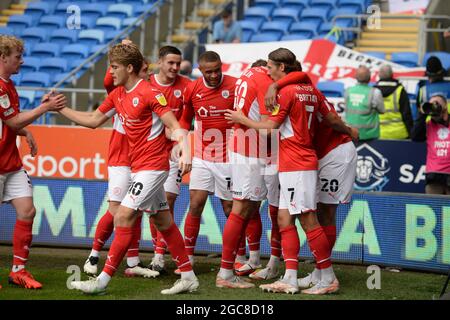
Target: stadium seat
x,y
91,37
344,11
30,64
278,27
45,50
78,62
143,8
20,22
408,59
376,54
35,79
26,99
331,88
52,22
311,14
259,14
108,24
16,78
265,37
59,77
323,4
294,36
443,56
34,35
251,25
94,10
61,8
271,4
7,31
53,66
307,29
295,4
289,15
246,35
87,22
359,4
128,21
120,10
112,34
64,36
94,49
38,9
75,51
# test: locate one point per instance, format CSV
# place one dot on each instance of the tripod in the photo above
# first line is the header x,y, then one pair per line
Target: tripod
x,y
445,285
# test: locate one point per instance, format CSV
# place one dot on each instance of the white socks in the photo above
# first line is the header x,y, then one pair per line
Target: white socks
x,y
327,275
290,276
188,275
94,253
133,261
225,273
254,258
241,259
103,279
18,267
273,263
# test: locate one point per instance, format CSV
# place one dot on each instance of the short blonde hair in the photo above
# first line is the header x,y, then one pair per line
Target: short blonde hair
x,y
127,54
9,43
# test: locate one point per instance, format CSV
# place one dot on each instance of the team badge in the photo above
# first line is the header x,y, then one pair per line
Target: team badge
x,y
276,109
225,93
4,101
135,101
177,93
161,99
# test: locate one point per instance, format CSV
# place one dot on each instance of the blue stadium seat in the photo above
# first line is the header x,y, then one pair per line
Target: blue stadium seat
x,y
53,66
64,36
271,4
120,10
91,37
408,59
16,78
77,1
331,88
78,62
75,51
344,11
30,64
333,38
112,34
265,37
45,50
376,54
26,99
34,35
38,9
311,14
307,29
277,27
52,22
94,49
325,28
323,4
295,4
7,31
59,77
35,79
359,4
94,10
294,36
259,14
286,14
442,55
87,22
20,22
61,8
246,35
128,21
143,8
109,24
251,25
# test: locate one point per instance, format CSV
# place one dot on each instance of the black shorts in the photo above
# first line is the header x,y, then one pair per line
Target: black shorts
x,y
438,178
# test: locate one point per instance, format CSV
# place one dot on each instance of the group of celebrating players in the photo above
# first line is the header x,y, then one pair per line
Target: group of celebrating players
x,y
270,134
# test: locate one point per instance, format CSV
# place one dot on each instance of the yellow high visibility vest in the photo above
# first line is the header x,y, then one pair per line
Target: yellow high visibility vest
x,y
391,122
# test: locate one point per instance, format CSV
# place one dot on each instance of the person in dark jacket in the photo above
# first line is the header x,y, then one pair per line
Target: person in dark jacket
x,y
397,121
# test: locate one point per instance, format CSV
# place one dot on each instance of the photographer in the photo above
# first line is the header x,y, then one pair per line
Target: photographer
x,y
436,132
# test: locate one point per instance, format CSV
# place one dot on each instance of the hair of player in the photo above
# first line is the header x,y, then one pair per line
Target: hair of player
x,y
165,50
259,63
126,54
9,43
286,57
209,56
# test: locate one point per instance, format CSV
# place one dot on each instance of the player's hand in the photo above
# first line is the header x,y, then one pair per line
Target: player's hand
x,y
270,99
47,96
234,116
31,143
55,102
184,163
176,153
354,134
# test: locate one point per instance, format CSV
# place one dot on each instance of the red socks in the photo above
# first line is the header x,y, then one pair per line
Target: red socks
x,y
161,244
191,230
254,232
22,241
133,250
291,246
233,230
330,232
241,249
154,233
275,236
320,248
175,244
120,244
103,231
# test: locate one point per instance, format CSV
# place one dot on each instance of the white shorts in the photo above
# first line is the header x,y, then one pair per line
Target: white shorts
x,y
14,185
119,179
298,191
272,184
146,192
173,182
337,172
214,177
248,177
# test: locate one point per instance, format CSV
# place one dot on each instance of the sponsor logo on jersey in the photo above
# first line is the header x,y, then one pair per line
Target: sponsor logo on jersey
x,y
135,101
9,112
371,169
202,112
276,109
225,94
177,93
4,101
161,99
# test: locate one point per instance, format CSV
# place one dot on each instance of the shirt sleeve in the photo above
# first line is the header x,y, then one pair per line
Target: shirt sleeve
x,y
188,110
6,101
325,107
159,104
284,103
107,107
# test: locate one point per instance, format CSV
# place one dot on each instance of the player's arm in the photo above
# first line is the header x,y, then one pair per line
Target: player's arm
x,y
236,116
30,140
91,120
333,120
54,102
290,78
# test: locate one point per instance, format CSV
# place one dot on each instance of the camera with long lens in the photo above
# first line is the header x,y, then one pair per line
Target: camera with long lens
x,y
433,109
